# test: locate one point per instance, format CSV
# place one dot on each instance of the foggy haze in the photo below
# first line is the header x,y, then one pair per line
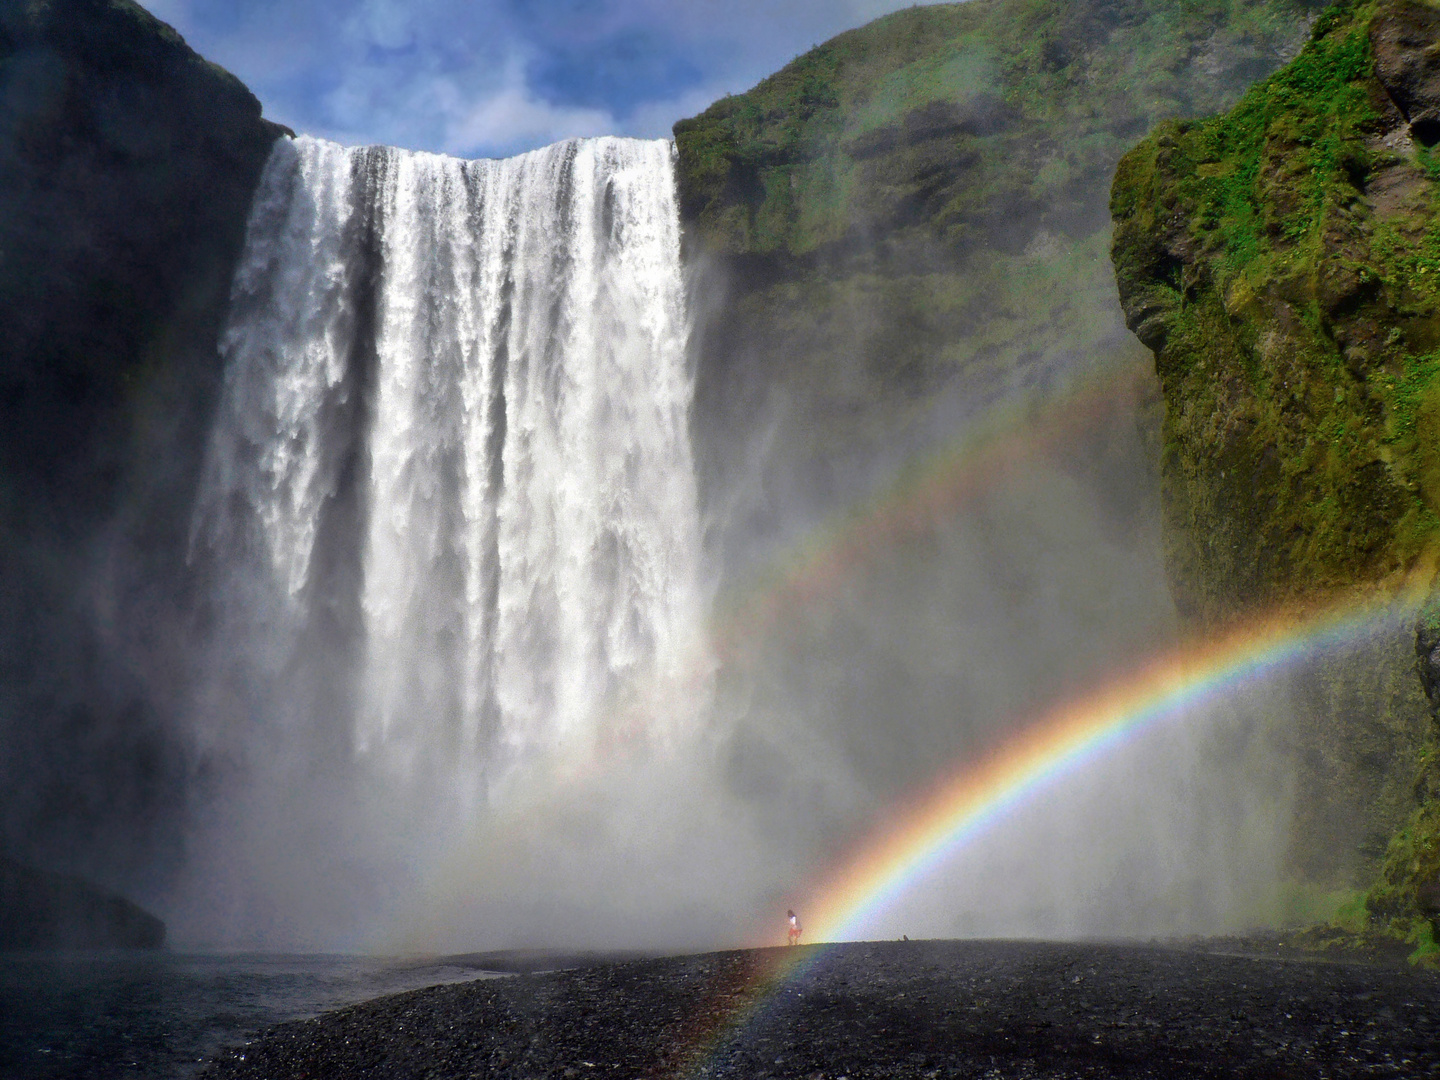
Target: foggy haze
x,y
631,787
499,635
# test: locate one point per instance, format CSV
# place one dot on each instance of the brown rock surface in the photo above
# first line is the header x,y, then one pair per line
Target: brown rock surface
x,y
1405,37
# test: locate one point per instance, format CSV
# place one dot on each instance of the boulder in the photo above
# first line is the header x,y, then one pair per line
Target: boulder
x,y
1405,39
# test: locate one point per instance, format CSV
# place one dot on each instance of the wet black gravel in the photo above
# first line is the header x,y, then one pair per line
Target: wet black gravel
x,y
1016,1010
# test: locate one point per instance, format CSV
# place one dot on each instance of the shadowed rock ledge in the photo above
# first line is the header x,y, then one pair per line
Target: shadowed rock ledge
x,y
40,910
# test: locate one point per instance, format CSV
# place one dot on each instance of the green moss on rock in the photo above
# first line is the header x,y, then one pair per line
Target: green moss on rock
x,y
961,123
1406,893
934,184
1280,261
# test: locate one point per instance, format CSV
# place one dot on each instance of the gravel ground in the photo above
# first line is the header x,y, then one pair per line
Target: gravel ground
x,y
1016,1010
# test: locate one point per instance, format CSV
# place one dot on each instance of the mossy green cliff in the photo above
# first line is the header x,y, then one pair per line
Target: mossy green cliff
x,y
964,124
903,230
1283,263
921,203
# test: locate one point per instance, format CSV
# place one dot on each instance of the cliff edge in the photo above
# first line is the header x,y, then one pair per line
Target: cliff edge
x,y
1282,261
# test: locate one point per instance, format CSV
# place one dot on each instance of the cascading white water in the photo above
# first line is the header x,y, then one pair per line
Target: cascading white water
x,y
448,538
449,495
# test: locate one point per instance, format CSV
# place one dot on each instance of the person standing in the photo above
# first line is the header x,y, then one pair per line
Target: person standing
x,y
794,934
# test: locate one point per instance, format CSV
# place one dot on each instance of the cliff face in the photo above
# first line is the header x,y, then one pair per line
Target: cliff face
x,y
1277,261
1281,261
126,168
897,238
921,203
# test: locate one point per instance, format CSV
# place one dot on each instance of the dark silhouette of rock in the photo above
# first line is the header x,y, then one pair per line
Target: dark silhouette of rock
x,y
127,166
44,910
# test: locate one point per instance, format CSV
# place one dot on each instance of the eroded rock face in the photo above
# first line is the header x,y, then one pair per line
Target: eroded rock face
x,y
1405,37
1289,307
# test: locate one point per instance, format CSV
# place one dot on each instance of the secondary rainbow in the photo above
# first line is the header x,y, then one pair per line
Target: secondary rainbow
x,y
927,493
936,826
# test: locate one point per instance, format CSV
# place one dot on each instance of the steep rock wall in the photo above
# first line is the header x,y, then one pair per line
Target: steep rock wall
x,y
920,204
126,168
1281,262
896,241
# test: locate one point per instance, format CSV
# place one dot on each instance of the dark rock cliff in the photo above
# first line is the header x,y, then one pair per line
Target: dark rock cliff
x,y
1281,261
127,164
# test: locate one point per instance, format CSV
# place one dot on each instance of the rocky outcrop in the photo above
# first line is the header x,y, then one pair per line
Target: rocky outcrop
x,y
1405,38
40,910
1277,261
1280,261
127,164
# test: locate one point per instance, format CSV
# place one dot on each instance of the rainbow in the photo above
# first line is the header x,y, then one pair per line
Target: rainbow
x,y
939,824
934,827
951,814
925,494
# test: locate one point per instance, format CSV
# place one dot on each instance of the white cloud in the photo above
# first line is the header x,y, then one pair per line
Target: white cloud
x,y
513,116
453,75
382,23
654,119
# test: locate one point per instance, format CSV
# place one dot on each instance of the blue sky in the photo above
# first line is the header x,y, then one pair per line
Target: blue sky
x,y
493,77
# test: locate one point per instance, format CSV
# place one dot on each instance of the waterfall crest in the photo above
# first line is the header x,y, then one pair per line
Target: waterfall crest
x,y
449,508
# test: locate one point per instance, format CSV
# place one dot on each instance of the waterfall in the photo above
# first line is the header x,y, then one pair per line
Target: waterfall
x,y
448,516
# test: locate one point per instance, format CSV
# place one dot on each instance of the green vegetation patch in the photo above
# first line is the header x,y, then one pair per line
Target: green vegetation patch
x,y
935,184
963,122
1280,259
1405,898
